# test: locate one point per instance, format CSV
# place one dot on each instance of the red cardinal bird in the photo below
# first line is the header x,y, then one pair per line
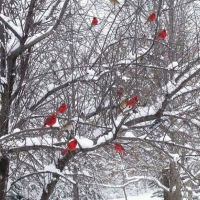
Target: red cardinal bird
x,y
50,120
70,146
94,22
120,92
62,108
133,102
162,35
119,148
151,18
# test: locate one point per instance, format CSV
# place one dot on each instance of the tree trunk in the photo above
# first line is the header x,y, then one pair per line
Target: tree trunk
x,y
4,170
171,179
75,186
49,189
125,196
190,193
175,184
50,186
165,176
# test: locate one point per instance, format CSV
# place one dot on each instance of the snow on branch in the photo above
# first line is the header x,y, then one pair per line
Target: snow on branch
x,y
39,37
48,169
133,180
53,91
155,180
11,26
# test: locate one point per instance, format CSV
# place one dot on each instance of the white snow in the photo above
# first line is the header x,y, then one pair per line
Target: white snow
x,y
172,65
175,157
146,196
50,87
97,132
3,80
31,39
16,130
84,142
104,138
9,21
31,141
129,134
51,168
165,138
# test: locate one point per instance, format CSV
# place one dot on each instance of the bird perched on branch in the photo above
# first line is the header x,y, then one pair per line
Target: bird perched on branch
x,y
151,18
50,120
94,22
114,2
66,127
70,146
119,148
162,35
61,109
133,102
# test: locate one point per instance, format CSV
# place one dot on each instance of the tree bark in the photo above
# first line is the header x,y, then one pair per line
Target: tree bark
x,y
4,170
75,186
165,176
48,190
175,184
171,179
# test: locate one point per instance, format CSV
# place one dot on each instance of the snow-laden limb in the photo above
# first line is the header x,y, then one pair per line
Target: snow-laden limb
x,y
152,141
52,169
48,169
46,15
34,147
172,65
129,134
155,180
134,180
43,98
180,83
84,142
104,138
172,88
19,133
33,40
11,26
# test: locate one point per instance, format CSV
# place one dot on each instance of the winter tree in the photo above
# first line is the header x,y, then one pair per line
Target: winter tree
x,y
51,54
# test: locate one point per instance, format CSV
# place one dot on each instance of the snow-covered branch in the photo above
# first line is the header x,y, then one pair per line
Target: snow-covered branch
x,y
10,25
134,179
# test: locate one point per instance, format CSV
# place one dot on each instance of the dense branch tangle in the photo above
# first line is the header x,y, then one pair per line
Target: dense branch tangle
x,y
49,55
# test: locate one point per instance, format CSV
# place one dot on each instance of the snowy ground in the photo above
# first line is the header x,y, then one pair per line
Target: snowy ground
x,y
146,196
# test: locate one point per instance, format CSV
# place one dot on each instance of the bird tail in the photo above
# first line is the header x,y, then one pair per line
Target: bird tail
x,y
90,27
124,152
42,127
156,37
119,111
64,151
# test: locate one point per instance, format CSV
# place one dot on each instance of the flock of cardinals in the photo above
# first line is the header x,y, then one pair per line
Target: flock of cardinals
x,y
131,103
151,18
51,120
